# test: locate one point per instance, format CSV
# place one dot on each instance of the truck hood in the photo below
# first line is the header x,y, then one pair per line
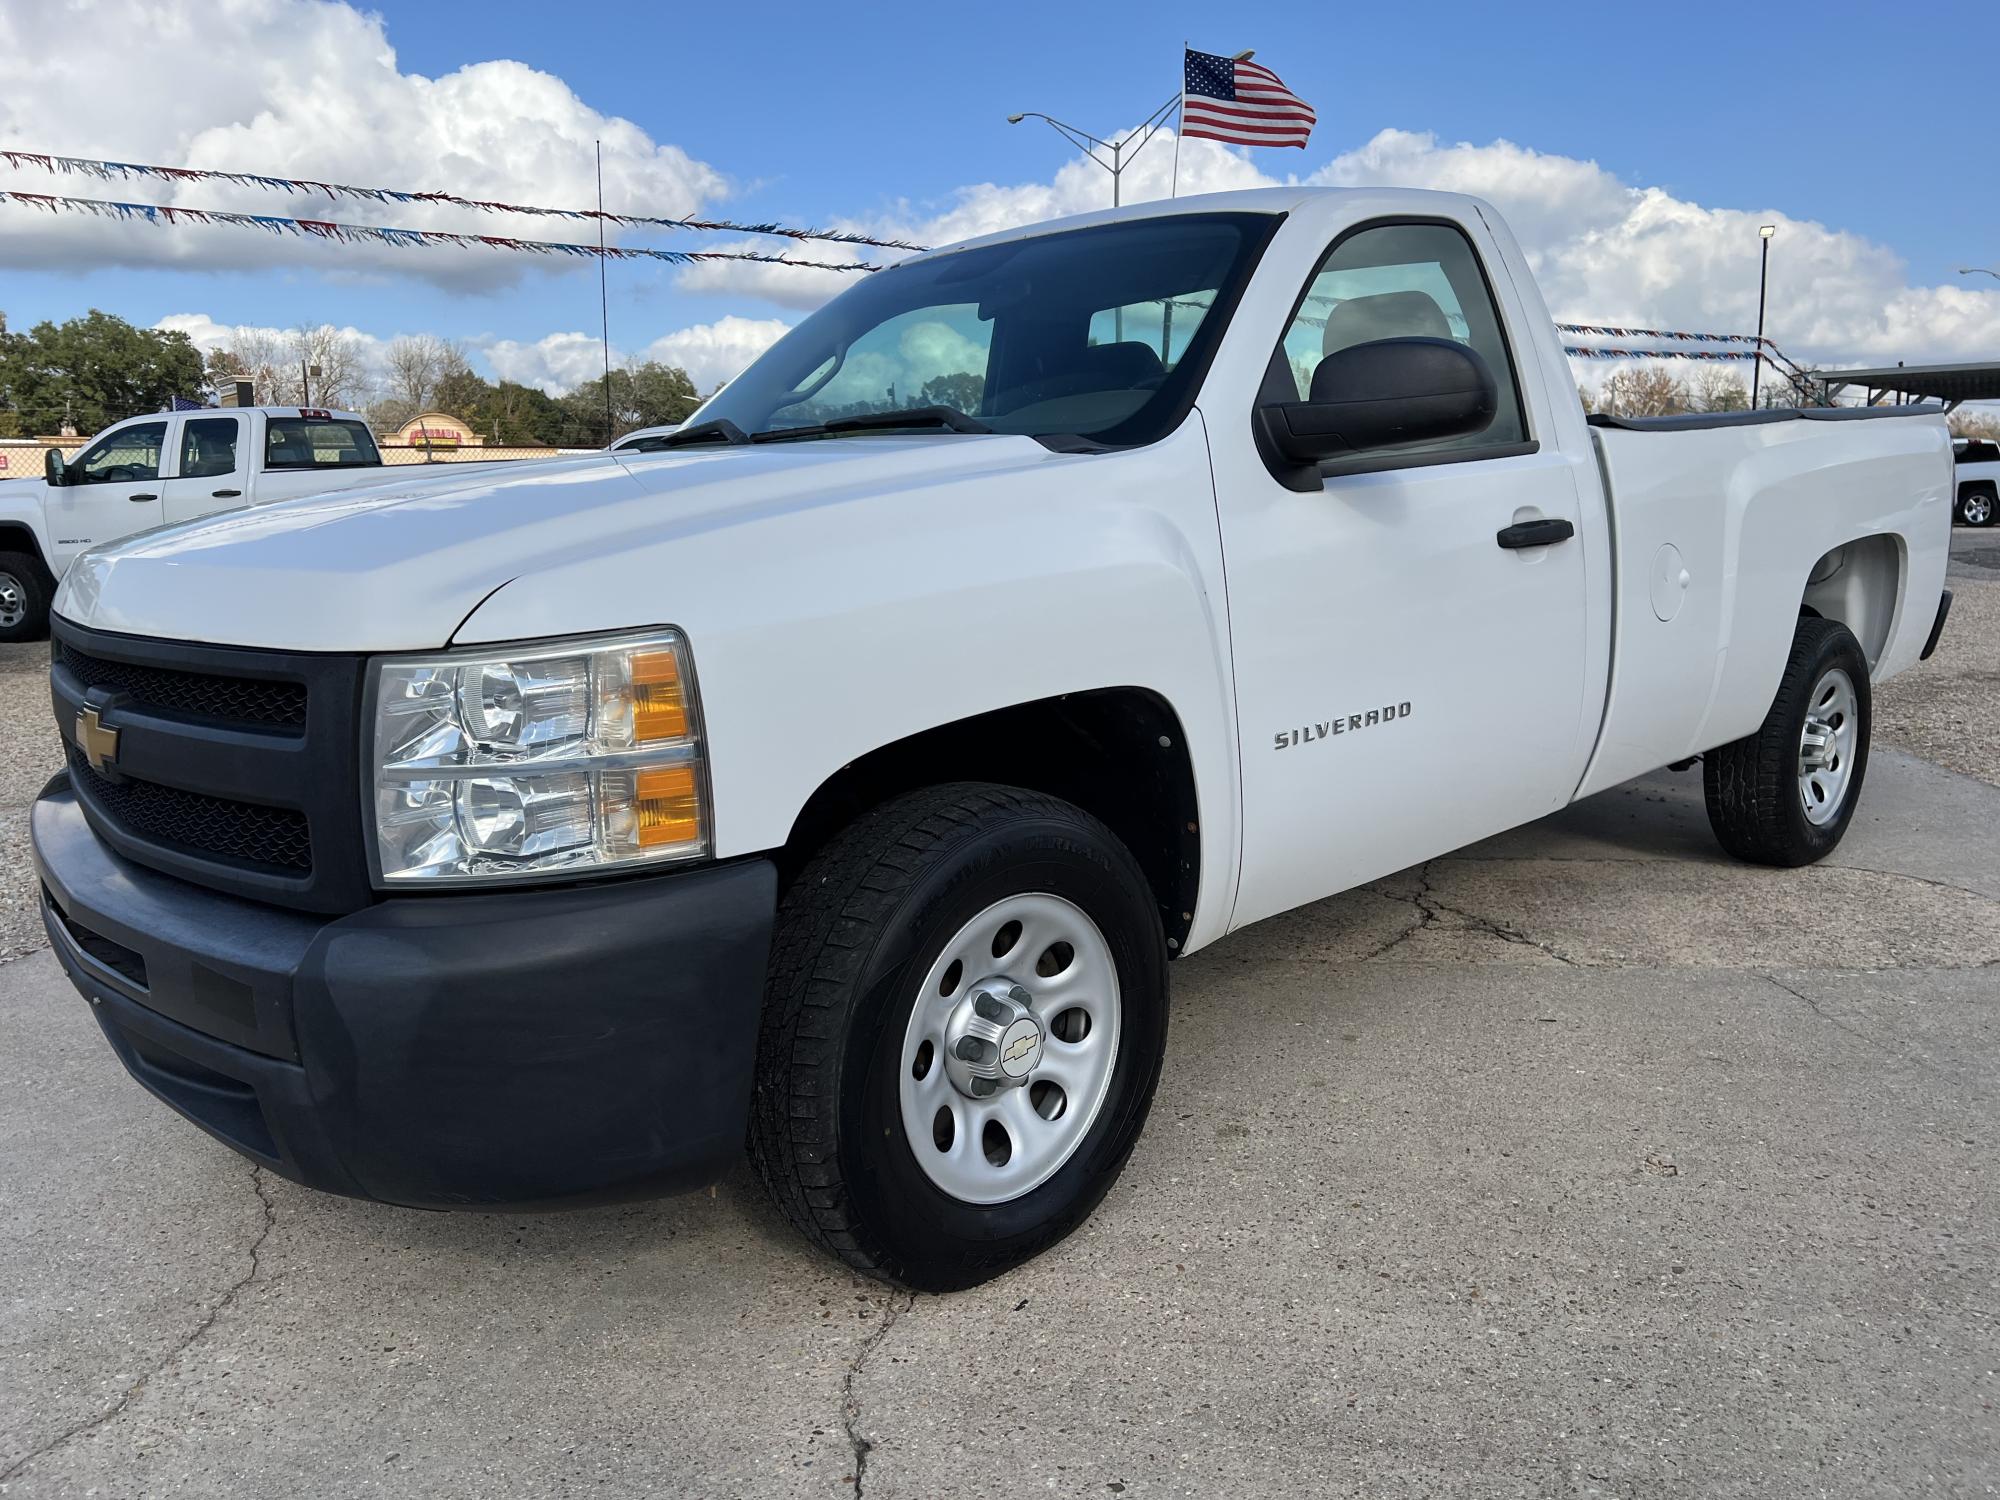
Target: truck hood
x,y
398,566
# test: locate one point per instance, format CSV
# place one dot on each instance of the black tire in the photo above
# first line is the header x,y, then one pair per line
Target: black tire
x,y
1755,804
857,932
25,590
1981,513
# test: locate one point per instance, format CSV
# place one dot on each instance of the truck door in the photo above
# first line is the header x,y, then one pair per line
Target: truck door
x,y
1406,682
114,490
212,475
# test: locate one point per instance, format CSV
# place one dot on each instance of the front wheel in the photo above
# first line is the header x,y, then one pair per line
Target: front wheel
x,y
24,598
1785,794
965,1020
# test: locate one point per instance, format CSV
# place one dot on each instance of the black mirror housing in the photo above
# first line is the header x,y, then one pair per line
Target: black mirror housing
x,y
54,468
1373,395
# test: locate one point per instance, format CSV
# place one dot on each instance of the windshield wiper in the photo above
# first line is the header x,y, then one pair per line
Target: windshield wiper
x,y
715,430
947,417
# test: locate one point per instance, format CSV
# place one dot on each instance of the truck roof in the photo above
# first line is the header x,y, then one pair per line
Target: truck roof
x,y
1272,200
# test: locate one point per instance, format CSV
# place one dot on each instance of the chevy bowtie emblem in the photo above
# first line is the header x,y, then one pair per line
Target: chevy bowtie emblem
x,y
97,740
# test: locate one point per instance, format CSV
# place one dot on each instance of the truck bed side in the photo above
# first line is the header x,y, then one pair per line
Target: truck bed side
x,y
1724,528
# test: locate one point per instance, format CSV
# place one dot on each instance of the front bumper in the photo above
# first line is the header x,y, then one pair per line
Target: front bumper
x,y
515,1049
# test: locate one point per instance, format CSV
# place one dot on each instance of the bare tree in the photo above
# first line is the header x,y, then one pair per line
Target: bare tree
x,y
323,366
1642,391
1717,389
414,366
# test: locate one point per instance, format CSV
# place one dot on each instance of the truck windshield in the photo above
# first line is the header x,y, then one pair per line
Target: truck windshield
x,y
1099,333
318,442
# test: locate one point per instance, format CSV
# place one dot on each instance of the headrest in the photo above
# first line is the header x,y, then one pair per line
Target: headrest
x,y
1385,315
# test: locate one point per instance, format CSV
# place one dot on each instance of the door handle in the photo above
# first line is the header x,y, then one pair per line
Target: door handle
x,y
224,494
135,499
1543,533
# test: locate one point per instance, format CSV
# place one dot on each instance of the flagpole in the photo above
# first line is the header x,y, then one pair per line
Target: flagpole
x,y
1180,119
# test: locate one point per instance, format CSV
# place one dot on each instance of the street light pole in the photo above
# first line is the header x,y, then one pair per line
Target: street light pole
x,y
1979,271
1764,233
1132,142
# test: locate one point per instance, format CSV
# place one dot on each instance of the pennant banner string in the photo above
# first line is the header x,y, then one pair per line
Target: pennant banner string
x,y
110,170
326,229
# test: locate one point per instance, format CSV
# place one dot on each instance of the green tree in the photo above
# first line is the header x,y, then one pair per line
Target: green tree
x,y
93,370
520,414
961,392
645,395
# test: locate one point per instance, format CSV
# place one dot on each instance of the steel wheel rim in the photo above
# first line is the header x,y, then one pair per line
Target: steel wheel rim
x,y
1078,1071
1827,745
13,601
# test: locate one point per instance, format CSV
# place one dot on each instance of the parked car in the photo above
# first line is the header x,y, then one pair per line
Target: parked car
x,y
847,773
1978,480
170,466
643,437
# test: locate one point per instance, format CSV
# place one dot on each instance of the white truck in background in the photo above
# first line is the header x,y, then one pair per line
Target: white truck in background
x,y
1978,476
845,770
154,470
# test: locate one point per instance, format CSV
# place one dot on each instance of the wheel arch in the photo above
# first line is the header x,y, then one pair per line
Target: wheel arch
x,y
18,536
1859,583
1119,753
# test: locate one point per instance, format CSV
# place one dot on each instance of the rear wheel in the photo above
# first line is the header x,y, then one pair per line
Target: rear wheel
x,y
24,598
1975,507
965,1020
1785,794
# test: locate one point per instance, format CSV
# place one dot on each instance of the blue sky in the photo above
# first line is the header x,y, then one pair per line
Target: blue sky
x,y
889,113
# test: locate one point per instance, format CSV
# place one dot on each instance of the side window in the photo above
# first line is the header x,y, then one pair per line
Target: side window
x,y
129,453
208,447
1406,281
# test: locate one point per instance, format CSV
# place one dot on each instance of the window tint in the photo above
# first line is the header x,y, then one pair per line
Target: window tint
x,y
310,442
208,447
1405,281
1978,452
128,453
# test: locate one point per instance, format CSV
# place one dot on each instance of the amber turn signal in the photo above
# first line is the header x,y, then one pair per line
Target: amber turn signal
x,y
669,806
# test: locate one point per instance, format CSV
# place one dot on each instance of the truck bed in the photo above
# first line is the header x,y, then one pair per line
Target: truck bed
x,y
1721,523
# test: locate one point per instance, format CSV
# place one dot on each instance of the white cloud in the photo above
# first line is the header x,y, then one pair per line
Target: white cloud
x,y
307,89
556,362
714,352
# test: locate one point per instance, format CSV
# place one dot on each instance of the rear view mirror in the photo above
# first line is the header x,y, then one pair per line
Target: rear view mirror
x,y
54,468
1409,390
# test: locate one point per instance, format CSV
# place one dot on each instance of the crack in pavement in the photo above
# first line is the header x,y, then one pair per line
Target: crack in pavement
x,y
200,1330
1901,1055
850,1402
1705,864
1430,908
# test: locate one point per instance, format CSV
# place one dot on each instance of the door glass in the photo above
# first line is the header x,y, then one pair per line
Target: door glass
x,y
1406,281
208,447
129,453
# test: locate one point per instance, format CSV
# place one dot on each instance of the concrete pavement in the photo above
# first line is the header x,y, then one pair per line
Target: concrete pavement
x,y
1582,1162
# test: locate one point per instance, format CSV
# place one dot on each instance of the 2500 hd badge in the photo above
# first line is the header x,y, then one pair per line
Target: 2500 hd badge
x,y
1284,739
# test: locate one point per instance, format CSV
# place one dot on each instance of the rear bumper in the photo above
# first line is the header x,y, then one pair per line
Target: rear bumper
x,y
515,1049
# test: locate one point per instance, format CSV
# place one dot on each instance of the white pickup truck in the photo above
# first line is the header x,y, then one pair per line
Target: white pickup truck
x,y
152,470
845,773
1978,473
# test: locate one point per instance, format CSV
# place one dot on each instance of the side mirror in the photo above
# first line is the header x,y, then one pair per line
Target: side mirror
x,y
1411,390
54,468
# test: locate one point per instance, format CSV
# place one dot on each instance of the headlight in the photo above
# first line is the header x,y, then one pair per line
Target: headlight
x,y
566,757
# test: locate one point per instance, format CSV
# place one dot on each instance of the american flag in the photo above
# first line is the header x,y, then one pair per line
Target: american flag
x,y
182,403
1241,103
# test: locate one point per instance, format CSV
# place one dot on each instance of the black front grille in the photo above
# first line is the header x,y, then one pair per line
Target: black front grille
x,y
197,695
268,838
